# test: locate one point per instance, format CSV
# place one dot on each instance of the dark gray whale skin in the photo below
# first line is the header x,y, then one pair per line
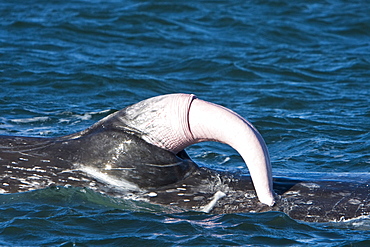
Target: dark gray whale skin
x,y
118,152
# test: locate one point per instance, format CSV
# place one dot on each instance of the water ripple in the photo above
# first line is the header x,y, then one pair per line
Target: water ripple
x,y
299,71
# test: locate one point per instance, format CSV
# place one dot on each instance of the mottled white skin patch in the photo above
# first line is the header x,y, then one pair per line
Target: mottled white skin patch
x,y
311,185
152,194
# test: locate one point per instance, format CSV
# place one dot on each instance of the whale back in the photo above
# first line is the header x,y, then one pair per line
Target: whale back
x,y
109,149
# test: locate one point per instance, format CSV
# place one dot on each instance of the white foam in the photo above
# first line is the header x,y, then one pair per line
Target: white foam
x,y
217,196
30,120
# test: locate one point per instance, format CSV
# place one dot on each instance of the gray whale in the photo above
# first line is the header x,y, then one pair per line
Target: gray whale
x,y
119,157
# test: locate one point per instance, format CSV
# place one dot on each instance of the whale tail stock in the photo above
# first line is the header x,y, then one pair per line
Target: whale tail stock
x,y
176,121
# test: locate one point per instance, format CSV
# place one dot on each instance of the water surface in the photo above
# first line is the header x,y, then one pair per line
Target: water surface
x,y
298,71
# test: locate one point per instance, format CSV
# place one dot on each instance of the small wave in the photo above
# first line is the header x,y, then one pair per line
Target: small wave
x,y
75,197
74,118
30,120
361,223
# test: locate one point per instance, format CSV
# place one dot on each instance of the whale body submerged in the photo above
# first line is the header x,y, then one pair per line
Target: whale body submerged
x,y
138,153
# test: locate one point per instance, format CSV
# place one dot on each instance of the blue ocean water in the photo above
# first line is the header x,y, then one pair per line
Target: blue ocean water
x,y
298,70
